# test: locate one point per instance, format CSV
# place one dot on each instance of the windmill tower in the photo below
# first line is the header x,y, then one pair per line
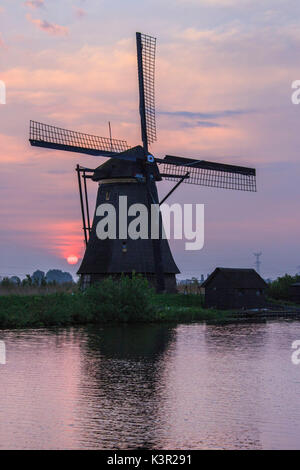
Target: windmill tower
x,y
133,172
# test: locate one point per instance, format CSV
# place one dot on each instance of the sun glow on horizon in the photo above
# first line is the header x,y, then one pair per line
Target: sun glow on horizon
x,y
72,259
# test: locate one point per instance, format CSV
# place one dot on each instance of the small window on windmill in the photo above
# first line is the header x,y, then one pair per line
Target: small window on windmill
x,y
107,196
124,247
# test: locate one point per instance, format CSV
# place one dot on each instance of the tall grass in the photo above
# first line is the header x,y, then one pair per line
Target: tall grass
x,y
128,300
26,289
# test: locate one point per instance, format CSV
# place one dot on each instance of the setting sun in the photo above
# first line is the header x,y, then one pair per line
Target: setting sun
x,y
72,259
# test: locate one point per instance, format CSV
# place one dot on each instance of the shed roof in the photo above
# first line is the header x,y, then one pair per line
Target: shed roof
x,y
236,278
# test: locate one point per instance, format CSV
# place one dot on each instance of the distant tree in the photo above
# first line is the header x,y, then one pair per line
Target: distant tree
x,y
280,288
38,277
58,276
15,280
27,281
6,282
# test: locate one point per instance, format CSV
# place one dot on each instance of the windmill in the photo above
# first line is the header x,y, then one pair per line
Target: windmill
x,y
133,172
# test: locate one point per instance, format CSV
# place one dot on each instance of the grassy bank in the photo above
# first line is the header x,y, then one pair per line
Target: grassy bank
x,y
129,300
32,289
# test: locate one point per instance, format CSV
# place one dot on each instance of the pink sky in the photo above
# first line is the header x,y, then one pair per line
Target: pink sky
x,y
223,92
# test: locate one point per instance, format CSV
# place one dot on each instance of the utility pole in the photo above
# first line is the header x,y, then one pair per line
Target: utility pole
x,y
257,261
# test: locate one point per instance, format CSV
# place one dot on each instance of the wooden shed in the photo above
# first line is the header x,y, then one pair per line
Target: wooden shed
x,y
295,292
232,288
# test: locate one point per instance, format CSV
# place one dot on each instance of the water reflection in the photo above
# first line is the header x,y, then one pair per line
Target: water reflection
x,y
156,386
219,385
123,366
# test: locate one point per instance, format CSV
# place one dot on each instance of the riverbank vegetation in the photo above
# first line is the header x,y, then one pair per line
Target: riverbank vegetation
x,y
38,284
280,289
129,300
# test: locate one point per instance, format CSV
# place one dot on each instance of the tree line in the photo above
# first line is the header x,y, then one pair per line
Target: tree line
x,y
39,278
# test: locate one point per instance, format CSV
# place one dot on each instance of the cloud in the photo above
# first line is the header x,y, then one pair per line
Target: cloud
x,y
200,119
207,115
224,3
12,150
79,12
2,43
35,3
200,124
211,35
50,28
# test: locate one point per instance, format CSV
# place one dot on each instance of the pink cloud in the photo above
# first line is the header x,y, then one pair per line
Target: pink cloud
x,y
12,150
50,28
2,44
35,3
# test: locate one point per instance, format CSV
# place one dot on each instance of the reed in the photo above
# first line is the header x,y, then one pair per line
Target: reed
x,y
126,301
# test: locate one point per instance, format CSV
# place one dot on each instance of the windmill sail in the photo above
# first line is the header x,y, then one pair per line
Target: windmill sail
x,y
203,173
43,135
146,47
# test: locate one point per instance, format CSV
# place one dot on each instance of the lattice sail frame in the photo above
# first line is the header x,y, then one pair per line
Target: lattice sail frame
x,y
40,134
148,57
242,179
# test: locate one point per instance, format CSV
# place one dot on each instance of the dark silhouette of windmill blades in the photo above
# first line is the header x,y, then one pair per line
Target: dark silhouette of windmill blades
x,y
146,48
204,173
43,135
201,172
